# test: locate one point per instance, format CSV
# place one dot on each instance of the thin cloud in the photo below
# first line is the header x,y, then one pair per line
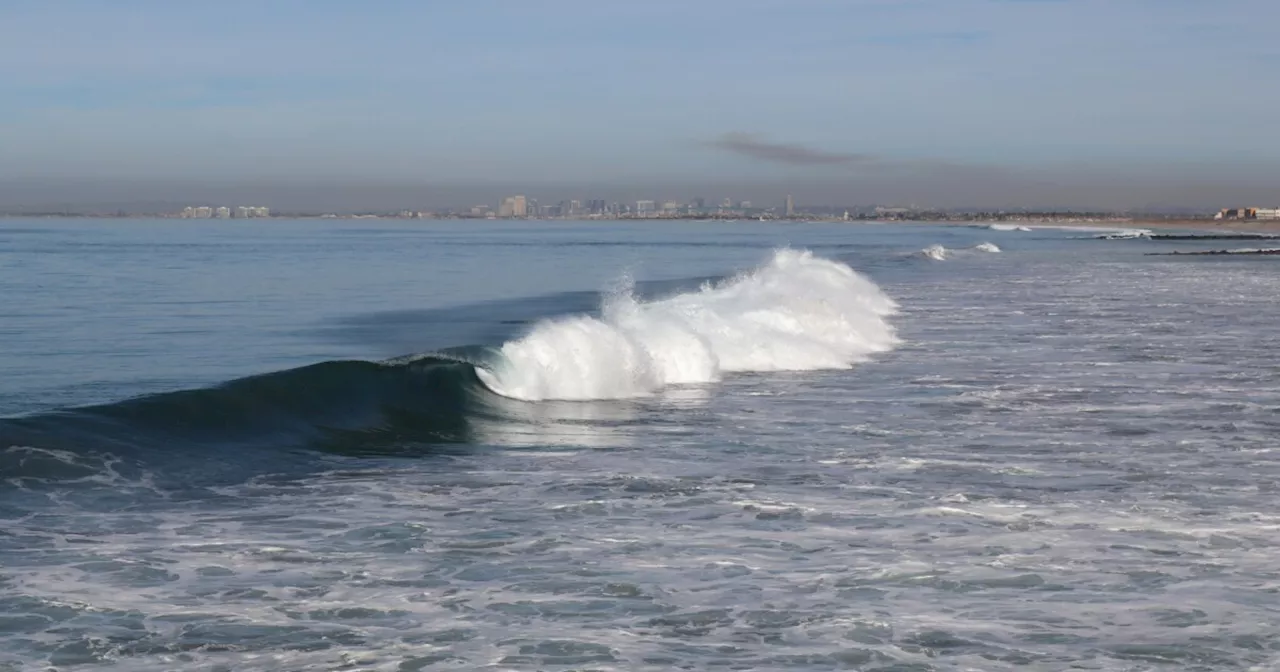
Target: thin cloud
x,y
755,147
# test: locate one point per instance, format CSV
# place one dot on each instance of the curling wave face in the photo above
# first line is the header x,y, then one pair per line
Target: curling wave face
x,y
798,312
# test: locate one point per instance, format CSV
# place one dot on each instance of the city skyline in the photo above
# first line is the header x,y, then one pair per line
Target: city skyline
x,y
1088,103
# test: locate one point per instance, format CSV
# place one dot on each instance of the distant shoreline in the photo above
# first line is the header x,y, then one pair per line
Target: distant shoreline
x,y
1085,222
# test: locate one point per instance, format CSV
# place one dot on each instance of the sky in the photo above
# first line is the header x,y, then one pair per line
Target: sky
x,y
941,102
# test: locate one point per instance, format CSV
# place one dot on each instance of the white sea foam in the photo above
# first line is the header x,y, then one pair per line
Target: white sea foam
x,y
1123,234
1253,250
940,253
934,252
1008,227
798,312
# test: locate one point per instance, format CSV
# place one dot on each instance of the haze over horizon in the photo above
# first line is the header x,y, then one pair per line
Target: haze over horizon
x,y
946,103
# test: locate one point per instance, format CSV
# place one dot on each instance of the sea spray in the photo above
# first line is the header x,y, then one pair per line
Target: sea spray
x,y
940,253
934,252
797,312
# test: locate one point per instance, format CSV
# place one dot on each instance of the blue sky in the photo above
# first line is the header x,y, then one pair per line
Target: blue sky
x,y
475,91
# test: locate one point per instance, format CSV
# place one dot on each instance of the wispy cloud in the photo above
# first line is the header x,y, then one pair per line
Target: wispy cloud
x,y
756,147
948,38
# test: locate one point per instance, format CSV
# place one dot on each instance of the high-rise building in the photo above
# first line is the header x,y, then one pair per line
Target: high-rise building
x,y
513,206
726,203
791,206
645,208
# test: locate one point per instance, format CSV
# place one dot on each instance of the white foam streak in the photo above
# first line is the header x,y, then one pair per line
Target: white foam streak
x,y
798,312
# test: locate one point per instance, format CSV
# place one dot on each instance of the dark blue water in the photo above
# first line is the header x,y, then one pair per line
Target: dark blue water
x,y
384,445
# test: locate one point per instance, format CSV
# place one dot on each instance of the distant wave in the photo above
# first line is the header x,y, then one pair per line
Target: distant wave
x,y
1111,232
795,312
940,253
1125,234
1260,251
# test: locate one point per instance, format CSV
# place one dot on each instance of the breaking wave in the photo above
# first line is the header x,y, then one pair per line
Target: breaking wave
x,y
1125,234
795,312
940,253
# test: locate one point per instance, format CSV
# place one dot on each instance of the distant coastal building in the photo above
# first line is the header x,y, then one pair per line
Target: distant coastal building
x,y
791,206
224,212
1248,213
251,211
514,206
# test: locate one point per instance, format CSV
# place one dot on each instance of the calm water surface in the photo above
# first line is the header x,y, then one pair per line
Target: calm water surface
x,y
1055,456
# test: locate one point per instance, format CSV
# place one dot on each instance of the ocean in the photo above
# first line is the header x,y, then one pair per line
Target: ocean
x,y
477,445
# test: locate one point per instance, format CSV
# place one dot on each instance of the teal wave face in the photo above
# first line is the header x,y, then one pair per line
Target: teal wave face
x,y
345,407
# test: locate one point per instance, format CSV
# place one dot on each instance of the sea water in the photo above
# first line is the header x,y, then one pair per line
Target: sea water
x,y
381,445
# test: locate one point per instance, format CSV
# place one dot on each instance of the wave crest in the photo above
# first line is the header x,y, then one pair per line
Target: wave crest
x,y
797,312
940,253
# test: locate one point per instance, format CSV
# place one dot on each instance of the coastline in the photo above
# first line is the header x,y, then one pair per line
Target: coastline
x,y
1220,226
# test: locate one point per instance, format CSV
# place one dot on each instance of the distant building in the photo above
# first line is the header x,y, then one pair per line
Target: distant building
x,y
726,203
1244,213
791,206
645,208
251,211
514,206
1266,213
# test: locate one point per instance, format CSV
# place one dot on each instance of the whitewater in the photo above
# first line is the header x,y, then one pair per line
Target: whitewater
x,y
797,312
779,446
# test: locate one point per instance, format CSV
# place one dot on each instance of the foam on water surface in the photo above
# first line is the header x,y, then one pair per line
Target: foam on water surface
x,y
1068,461
798,312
